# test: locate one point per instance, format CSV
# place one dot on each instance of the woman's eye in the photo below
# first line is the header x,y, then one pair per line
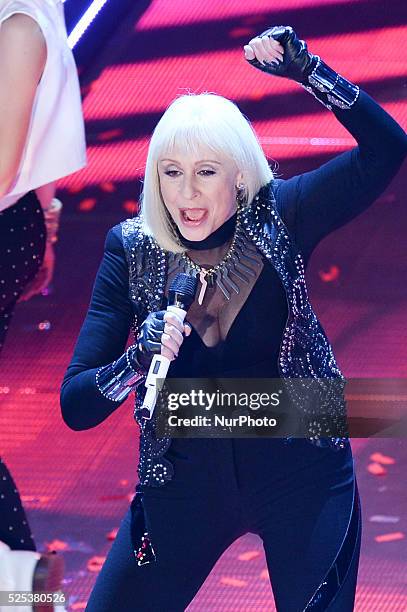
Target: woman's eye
x,y
174,173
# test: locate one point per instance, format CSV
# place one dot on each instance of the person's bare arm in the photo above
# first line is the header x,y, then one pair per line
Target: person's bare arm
x,y
23,53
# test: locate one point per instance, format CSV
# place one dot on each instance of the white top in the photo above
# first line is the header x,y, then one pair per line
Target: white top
x,y
55,145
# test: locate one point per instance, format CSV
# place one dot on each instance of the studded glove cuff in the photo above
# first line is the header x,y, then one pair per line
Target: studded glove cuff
x,y
116,380
330,88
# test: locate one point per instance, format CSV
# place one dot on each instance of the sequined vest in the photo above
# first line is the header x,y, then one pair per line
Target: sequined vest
x,y
305,352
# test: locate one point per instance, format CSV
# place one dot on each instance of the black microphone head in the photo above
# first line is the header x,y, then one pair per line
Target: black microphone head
x,y
182,290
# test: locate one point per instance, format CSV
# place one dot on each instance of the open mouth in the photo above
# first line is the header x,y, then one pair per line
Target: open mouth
x,y
193,216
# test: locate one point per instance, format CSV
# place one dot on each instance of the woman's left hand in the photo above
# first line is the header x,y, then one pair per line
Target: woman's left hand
x,y
43,277
264,49
279,51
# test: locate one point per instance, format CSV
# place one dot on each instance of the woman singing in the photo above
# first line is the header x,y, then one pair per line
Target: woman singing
x,y
211,208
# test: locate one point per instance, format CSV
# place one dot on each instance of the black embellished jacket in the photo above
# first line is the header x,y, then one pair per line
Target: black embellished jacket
x,y
285,222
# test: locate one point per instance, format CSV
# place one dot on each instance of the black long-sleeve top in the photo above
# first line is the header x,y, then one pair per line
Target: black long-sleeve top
x,y
312,205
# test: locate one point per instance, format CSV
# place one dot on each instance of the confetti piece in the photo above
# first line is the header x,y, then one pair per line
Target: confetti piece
x,y
44,326
384,518
112,535
75,187
94,85
56,545
384,459
264,575
130,206
235,582
123,482
376,469
248,555
257,94
108,187
104,498
109,135
382,490
95,564
332,274
79,605
390,537
87,204
239,32
254,19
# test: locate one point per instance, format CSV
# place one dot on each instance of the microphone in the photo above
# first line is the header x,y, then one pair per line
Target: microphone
x,y
181,295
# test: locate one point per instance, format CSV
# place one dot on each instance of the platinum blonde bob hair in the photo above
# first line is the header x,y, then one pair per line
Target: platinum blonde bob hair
x,y
189,122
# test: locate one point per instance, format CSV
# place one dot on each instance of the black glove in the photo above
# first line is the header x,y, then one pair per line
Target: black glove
x,y
149,339
298,62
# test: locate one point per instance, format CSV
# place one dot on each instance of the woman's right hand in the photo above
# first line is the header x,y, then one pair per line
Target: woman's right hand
x,y
43,277
162,333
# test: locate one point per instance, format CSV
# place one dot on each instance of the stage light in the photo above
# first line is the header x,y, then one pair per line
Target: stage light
x,y
85,21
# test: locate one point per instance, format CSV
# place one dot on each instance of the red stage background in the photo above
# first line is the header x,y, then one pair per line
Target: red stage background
x,y
76,486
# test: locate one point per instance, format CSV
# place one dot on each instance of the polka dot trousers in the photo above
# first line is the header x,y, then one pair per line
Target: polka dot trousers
x,y
22,247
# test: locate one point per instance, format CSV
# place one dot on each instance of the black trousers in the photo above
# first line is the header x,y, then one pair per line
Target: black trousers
x,y
22,246
298,498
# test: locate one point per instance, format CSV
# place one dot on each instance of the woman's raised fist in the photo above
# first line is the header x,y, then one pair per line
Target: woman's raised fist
x,y
280,52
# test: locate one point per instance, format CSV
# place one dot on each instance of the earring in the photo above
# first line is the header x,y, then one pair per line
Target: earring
x,y
240,196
